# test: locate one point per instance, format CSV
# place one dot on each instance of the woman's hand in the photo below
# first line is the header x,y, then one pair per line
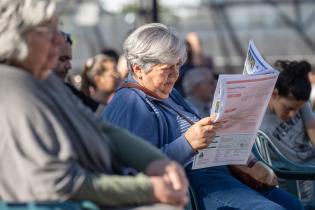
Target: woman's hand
x,y
171,170
169,182
257,176
164,192
202,133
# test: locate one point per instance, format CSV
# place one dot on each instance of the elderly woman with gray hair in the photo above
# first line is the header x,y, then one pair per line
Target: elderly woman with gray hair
x,y
52,148
148,106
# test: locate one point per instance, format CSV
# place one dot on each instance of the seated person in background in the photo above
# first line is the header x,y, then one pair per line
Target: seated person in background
x,y
99,80
111,59
199,57
184,69
289,120
199,86
148,106
196,58
56,148
64,65
65,56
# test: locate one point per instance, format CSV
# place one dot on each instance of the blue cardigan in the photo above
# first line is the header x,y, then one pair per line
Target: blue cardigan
x,y
144,116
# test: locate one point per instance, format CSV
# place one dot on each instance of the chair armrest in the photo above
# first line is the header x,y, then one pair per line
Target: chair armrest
x,y
283,167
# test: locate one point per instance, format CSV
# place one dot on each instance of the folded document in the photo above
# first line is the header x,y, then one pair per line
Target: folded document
x,y
241,100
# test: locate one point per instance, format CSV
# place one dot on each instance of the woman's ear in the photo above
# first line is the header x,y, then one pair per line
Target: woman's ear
x,y
137,70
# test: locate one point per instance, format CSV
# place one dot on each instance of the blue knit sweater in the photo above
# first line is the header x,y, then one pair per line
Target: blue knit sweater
x,y
144,116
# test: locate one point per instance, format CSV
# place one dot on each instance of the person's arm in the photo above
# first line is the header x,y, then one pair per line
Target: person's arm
x,y
309,121
116,191
196,48
130,149
167,184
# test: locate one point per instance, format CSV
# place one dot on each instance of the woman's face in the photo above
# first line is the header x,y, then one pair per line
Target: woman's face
x,y
108,81
285,107
160,79
42,41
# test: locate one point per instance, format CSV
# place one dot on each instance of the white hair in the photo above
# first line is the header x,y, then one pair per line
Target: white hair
x,y
194,77
17,16
151,44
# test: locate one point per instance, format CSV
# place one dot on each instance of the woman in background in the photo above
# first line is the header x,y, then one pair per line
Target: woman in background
x,y
99,80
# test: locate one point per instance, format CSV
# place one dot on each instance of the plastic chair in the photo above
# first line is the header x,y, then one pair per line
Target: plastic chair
x,y
284,168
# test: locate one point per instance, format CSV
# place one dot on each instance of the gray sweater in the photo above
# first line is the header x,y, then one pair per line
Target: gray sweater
x,y
53,148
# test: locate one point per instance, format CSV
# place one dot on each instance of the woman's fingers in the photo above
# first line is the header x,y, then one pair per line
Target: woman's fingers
x,y
177,177
205,121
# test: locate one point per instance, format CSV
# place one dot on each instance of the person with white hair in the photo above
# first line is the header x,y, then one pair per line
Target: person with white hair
x,y
148,106
52,147
199,85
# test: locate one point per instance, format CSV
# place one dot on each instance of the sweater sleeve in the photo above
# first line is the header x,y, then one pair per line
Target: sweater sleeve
x,y
179,150
130,149
116,191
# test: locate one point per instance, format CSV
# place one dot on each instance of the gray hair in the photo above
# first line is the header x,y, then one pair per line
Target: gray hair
x,y
194,77
153,44
17,16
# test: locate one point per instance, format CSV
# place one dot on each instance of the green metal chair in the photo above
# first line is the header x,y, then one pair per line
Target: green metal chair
x,y
284,168
68,205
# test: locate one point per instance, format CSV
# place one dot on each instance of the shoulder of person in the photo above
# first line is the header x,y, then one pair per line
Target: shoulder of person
x,y
126,98
19,90
126,102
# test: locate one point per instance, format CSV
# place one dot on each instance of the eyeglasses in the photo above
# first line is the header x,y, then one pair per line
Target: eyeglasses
x,y
67,37
114,74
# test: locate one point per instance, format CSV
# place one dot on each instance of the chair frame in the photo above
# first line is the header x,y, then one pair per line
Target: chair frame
x,y
289,170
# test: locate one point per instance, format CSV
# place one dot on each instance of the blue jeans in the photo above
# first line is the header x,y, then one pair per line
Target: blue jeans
x,y
217,188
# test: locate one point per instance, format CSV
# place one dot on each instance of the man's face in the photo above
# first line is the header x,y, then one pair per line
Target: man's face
x,y
64,61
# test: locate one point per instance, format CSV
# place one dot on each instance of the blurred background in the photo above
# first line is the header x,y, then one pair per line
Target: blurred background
x,y
281,29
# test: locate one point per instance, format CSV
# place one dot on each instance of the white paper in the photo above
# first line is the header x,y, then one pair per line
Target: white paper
x,y
241,101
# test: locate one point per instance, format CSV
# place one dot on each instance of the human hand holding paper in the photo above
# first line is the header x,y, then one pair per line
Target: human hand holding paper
x,y
202,133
